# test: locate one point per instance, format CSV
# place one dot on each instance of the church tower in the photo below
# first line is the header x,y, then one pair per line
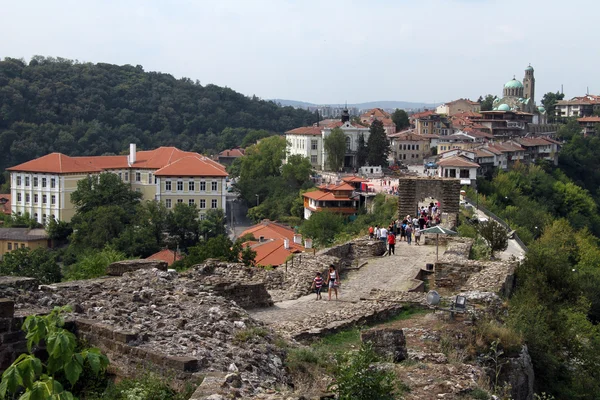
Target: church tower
x,y
529,84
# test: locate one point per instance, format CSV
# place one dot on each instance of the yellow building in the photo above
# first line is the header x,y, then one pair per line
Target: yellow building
x,y
43,187
16,238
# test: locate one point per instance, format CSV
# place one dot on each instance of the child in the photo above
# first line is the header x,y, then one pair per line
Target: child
x,y
317,285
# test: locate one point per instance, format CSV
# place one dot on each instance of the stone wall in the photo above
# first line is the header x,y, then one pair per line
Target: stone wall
x,y
411,190
246,295
12,338
120,267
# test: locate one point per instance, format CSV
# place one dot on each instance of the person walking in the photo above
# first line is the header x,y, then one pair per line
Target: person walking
x,y
318,285
391,239
371,232
417,236
409,231
383,234
332,281
377,232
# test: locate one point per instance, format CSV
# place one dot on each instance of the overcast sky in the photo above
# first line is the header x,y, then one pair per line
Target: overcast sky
x,y
324,51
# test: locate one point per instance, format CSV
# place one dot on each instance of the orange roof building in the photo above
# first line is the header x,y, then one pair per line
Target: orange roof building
x,y
5,204
273,242
337,198
166,255
42,187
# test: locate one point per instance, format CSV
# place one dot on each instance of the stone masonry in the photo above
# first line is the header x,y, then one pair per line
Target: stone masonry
x,y
412,189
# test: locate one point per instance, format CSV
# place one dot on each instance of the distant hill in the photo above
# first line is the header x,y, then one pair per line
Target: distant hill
x,y
406,105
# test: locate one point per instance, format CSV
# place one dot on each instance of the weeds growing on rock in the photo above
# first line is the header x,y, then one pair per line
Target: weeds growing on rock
x,y
248,334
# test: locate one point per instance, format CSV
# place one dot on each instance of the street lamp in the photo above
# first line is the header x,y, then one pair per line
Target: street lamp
x,y
257,199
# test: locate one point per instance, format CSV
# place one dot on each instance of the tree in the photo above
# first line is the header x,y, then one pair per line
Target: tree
x,y
296,170
378,145
39,264
495,235
400,118
487,103
213,224
104,189
220,247
335,147
58,230
248,256
93,264
549,102
98,227
322,227
40,380
362,152
183,226
263,159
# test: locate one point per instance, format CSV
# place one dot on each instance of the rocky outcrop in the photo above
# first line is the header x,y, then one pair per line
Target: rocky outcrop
x,y
518,373
120,267
388,343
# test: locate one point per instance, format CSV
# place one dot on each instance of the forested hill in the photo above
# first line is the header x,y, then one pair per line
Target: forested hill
x,y
92,109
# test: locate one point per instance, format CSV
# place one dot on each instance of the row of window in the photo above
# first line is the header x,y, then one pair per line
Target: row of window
x,y
36,198
36,181
191,186
191,202
408,147
16,246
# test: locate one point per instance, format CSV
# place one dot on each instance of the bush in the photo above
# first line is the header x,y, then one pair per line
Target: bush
x,y
491,331
148,387
248,334
93,264
39,264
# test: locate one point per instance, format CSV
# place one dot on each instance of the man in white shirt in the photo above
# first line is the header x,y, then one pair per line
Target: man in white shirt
x,y
377,232
383,234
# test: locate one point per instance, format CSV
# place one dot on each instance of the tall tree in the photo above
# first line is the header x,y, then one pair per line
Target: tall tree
x,y
335,146
183,225
378,145
39,263
487,103
400,118
296,170
549,102
104,189
495,235
362,153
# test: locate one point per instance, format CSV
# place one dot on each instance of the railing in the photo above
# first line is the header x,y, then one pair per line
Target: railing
x,y
498,220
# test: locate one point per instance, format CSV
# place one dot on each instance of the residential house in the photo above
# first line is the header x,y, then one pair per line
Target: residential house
x,y
17,238
5,204
458,106
589,124
368,117
355,181
463,140
166,255
512,153
227,157
273,242
582,106
42,187
506,124
433,124
458,164
540,148
488,159
337,198
409,148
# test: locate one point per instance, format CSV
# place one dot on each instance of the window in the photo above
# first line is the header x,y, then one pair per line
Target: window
x,y
313,159
126,176
179,201
44,219
26,181
202,217
35,198
413,146
213,203
19,199
190,202
417,147
425,131
347,142
416,156
44,182
138,177
35,216
120,175
53,183
202,203
26,197
9,246
168,203
168,186
412,156
464,173
425,123
191,186
149,178
214,186
35,182
22,245
18,180
314,144
53,199
202,186
179,186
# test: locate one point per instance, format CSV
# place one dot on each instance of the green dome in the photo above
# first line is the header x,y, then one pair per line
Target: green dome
x,y
542,109
504,107
530,68
513,84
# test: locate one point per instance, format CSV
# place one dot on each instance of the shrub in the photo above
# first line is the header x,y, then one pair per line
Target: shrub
x,y
492,331
247,334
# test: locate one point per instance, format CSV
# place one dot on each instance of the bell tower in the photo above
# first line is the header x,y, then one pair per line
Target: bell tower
x,y
529,84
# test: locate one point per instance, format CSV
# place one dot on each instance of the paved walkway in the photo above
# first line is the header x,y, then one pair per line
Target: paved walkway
x,y
388,273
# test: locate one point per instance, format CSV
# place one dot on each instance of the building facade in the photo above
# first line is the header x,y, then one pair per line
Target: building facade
x,y
458,106
335,198
409,148
21,238
582,106
43,187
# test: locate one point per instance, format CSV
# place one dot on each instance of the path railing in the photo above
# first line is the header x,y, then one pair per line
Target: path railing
x,y
498,220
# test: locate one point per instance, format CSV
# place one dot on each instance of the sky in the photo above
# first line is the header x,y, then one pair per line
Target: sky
x,y
324,51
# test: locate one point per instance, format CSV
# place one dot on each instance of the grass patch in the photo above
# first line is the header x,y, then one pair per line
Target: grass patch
x,y
340,342
510,340
248,334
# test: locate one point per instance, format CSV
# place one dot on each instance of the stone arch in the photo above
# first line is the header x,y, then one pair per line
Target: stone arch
x,y
411,190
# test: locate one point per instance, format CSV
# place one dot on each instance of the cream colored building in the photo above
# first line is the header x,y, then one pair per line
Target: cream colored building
x,y
18,238
43,187
458,106
409,148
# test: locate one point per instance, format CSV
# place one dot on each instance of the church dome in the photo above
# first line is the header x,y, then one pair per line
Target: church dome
x,y
530,68
503,107
513,84
542,109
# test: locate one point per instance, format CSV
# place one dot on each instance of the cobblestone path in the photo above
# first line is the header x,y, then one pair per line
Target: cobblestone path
x,y
386,273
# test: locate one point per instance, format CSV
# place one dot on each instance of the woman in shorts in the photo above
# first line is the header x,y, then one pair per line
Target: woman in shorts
x,y
332,281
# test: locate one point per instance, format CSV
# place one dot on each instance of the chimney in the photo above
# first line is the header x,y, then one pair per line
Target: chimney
x,y
308,243
261,239
298,239
132,153
286,243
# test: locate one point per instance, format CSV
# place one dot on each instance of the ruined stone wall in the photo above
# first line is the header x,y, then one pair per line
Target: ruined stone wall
x,y
120,267
12,338
413,189
246,295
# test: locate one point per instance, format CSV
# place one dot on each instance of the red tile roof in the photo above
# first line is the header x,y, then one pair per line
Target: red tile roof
x,y
270,230
273,252
354,179
5,204
322,195
377,113
589,119
169,256
533,141
457,161
422,114
235,152
55,163
341,187
467,114
306,130
192,166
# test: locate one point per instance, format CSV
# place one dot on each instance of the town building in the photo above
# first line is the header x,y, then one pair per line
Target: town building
x,y
227,157
308,142
42,187
18,238
589,124
432,124
408,147
458,106
166,255
458,164
464,140
273,242
582,106
338,198
540,148
368,117
5,207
